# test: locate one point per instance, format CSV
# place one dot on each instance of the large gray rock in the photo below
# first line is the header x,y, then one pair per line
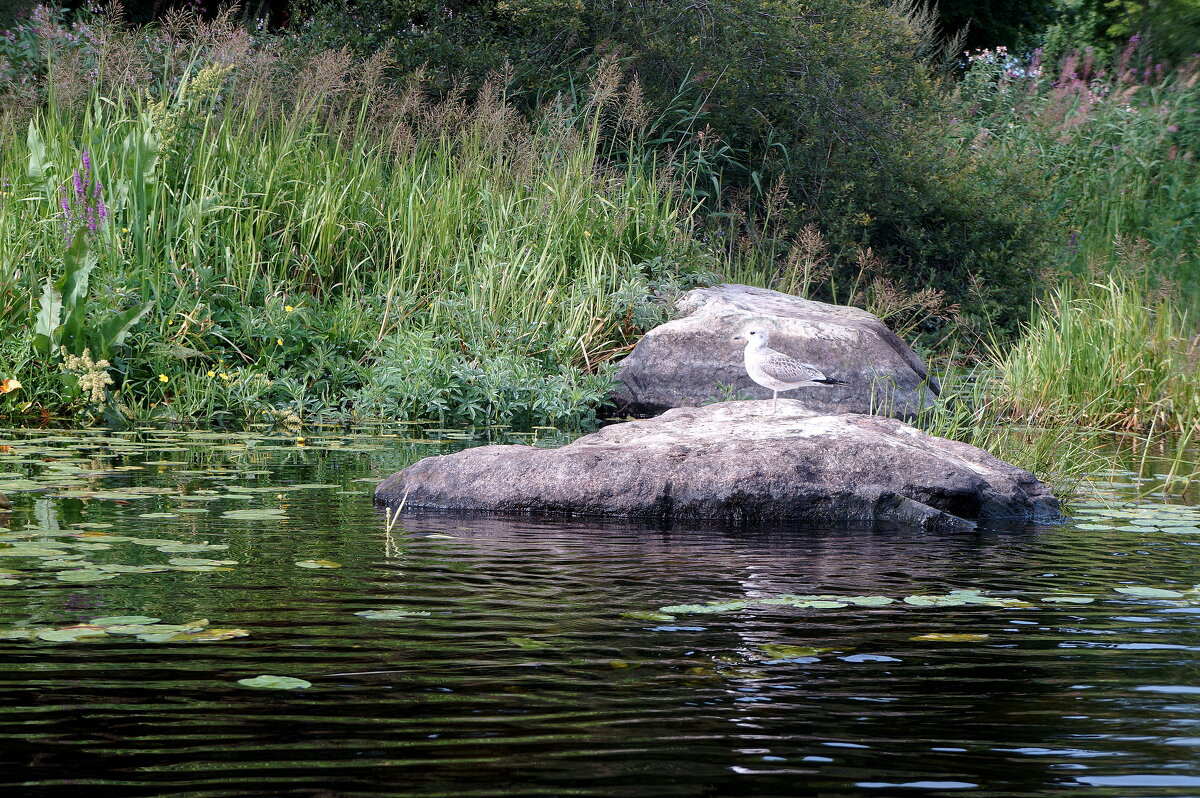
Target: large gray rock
x,y
735,462
694,359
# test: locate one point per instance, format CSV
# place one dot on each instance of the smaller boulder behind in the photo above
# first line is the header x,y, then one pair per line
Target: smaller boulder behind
x,y
694,360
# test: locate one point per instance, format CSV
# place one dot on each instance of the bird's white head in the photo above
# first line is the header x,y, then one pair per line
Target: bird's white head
x,y
755,336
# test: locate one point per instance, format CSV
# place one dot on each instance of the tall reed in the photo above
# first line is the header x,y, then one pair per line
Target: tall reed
x,y
242,177
1109,350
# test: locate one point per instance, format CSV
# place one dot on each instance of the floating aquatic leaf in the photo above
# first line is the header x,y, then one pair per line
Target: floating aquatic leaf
x,y
158,515
203,636
1068,599
935,601
18,634
869,601
390,615
254,515
943,637
318,564
152,541
121,568
725,606
83,575
816,604
266,682
199,561
29,551
639,615
1148,592
91,546
69,634
528,642
131,629
7,581
1095,527
113,620
70,561
776,651
184,548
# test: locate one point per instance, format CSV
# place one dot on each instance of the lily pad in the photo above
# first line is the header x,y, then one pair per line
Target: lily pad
x,y
791,652
1149,592
943,637
1068,599
69,634
199,561
183,548
639,615
254,515
726,606
267,682
318,564
83,575
935,601
390,615
528,642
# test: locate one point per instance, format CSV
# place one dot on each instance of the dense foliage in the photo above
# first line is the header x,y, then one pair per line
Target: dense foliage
x,y
271,236
464,211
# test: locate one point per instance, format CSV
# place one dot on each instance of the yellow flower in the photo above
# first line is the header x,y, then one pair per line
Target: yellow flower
x,y
163,378
212,374
224,376
279,341
288,308
9,385
587,233
124,229
300,441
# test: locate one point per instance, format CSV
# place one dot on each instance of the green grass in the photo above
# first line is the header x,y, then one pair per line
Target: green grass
x,y
324,223
1107,351
1115,144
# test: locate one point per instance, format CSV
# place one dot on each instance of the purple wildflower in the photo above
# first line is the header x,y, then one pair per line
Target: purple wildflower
x,y
86,208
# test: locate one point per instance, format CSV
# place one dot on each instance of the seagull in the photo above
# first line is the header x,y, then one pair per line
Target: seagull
x,y
775,370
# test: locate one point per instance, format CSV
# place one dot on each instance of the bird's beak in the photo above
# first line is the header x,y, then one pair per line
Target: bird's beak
x,y
739,338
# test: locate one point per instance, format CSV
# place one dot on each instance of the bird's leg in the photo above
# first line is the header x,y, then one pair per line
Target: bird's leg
x,y
774,401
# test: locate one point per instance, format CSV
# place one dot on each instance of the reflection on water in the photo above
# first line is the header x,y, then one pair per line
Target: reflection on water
x,y
529,657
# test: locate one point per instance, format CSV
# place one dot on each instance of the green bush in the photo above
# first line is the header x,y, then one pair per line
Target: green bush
x,y
830,113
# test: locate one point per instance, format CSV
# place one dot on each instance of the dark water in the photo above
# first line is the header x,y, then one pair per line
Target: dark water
x,y
525,678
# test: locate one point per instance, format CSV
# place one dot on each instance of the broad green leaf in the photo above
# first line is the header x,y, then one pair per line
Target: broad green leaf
x,y
83,575
941,637
639,615
254,515
792,652
528,642
266,682
69,634
1148,592
390,615
318,564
